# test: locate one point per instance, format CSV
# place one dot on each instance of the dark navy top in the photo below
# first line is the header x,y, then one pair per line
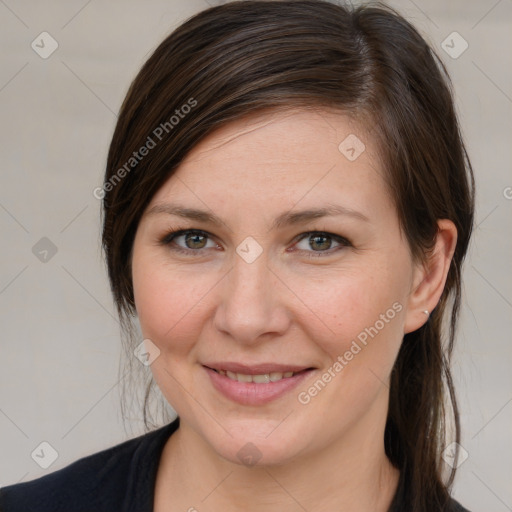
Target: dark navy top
x,y
118,479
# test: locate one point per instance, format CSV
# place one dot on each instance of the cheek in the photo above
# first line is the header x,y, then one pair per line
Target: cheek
x,y
362,314
357,305
168,302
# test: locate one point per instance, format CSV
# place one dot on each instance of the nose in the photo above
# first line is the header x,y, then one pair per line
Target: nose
x,y
252,302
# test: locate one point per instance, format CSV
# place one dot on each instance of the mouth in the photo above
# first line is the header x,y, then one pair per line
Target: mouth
x,y
262,378
256,384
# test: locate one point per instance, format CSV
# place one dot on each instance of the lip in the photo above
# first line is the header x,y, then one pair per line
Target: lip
x,y
254,369
252,393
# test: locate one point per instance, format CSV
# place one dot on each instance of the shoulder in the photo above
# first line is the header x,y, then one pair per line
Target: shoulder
x,y
101,481
455,506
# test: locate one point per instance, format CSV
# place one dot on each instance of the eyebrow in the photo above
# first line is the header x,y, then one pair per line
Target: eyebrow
x,y
285,219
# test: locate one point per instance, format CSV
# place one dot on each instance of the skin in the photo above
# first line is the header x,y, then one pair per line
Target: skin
x,y
284,307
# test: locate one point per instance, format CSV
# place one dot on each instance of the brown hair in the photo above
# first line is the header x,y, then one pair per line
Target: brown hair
x,y
233,60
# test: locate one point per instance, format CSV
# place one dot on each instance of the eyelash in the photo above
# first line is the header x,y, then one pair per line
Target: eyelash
x,y
168,239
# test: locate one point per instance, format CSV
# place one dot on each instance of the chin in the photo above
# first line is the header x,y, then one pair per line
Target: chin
x,y
255,442
257,453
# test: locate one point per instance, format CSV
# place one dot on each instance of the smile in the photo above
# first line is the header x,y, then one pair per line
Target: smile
x,y
255,385
264,378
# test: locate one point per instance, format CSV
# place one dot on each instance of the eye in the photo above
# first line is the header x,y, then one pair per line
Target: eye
x,y
321,243
188,241
314,243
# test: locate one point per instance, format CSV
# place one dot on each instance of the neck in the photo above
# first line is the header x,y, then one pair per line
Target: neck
x,y
351,474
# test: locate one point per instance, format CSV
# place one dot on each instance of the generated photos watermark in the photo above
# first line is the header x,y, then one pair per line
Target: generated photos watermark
x,y
157,135
361,341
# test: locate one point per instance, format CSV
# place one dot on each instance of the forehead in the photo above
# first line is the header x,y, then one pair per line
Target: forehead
x,y
294,135
280,158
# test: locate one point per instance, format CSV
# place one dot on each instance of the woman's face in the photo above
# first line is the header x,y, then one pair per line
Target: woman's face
x,y
291,259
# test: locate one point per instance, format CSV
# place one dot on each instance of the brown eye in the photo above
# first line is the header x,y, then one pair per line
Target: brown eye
x,y
188,241
195,240
320,242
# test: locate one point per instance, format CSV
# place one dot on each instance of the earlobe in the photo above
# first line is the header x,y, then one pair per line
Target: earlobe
x,y
430,278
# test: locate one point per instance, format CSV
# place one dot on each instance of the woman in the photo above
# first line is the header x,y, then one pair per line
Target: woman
x,y
287,206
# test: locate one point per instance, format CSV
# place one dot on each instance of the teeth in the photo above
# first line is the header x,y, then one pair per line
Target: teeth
x,y
258,379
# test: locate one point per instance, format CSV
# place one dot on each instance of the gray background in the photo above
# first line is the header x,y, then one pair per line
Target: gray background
x,y
60,338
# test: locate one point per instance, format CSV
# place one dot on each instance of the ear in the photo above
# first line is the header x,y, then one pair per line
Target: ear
x,y
429,278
